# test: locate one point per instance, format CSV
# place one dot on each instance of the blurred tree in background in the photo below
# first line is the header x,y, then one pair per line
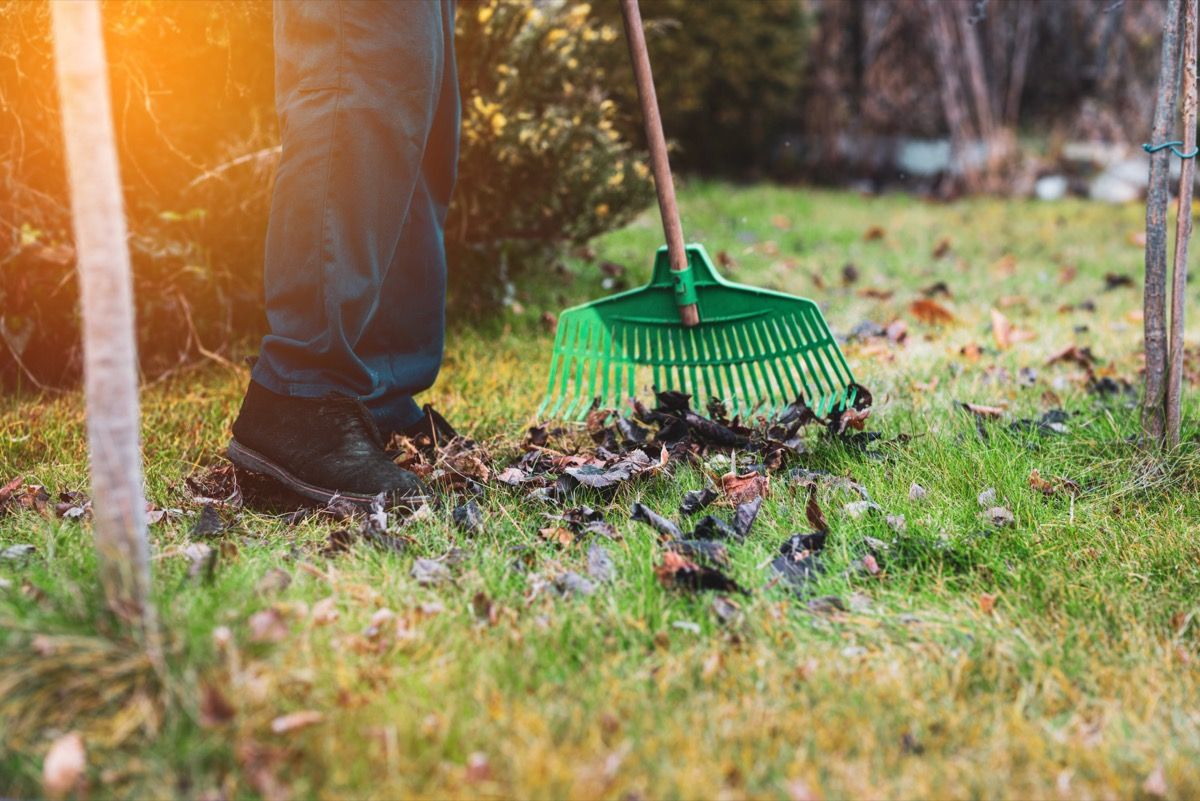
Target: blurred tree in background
x,y
827,90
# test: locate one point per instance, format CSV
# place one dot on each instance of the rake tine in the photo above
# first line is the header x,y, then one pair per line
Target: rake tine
x,y
822,360
773,332
772,361
609,366
808,375
739,333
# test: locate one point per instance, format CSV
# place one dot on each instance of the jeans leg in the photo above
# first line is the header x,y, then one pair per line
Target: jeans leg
x,y
404,339
359,86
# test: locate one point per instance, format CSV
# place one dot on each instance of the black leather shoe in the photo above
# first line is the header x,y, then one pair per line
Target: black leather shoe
x,y
319,448
431,426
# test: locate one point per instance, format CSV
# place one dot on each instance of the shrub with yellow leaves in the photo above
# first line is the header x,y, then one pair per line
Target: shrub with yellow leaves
x,y
542,162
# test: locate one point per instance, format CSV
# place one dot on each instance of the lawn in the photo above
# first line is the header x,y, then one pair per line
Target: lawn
x,y
1057,656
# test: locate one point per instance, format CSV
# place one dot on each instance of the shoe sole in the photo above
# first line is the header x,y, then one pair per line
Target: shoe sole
x,y
255,462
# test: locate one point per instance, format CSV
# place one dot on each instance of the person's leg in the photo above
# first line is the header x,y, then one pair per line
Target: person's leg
x,y
360,89
403,341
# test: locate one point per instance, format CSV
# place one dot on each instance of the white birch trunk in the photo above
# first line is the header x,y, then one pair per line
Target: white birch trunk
x,y
106,291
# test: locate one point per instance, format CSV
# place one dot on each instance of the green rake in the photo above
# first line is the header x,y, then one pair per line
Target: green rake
x,y
690,330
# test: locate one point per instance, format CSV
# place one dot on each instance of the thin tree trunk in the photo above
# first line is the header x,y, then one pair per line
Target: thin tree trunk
x,y
1155,297
110,361
1024,38
1183,229
958,119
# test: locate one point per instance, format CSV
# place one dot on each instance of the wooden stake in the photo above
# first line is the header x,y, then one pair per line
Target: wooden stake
x,y
110,358
1183,230
1155,297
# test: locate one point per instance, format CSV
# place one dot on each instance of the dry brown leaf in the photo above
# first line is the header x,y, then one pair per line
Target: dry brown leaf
x,y
1001,330
295,721
1075,355
873,234
942,247
1067,273
325,611
64,766
854,418
745,487
781,222
930,312
1039,484
816,518
563,536
987,603
971,352
876,294
215,709
984,411
1005,266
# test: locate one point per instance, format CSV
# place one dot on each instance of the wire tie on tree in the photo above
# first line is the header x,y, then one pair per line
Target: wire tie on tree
x,y
1149,148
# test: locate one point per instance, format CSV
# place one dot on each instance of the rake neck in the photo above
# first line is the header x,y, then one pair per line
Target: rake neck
x,y
660,165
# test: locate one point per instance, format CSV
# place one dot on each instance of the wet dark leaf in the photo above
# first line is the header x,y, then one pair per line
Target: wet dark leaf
x,y
468,518
678,572
744,516
208,523
673,401
338,542
711,527
695,500
801,544
666,528
797,571
701,551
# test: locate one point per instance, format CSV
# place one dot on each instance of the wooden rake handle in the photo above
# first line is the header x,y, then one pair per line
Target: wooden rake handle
x,y
664,185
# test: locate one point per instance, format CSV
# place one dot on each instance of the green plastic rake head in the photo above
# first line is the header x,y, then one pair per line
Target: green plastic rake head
x,y
754,349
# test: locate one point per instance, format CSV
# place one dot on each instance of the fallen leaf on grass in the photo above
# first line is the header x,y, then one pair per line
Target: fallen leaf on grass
x,y
208,523
870,565
873,234
468,518
942,247
599,563
429,573
812,510
744,517
987,603
695,500
296,721
215,709
1005,333
18,553
1116,281
268,626
325,611
917,493
745,487
64,766
573,585
998,516
678,572
711,527
557,534
1074,355
701,551
980,410
930,312
666,528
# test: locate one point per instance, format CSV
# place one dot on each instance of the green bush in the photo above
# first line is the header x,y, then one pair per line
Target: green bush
x,y
542,166
730,76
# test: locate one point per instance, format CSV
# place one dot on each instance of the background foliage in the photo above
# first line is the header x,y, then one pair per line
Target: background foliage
x,y
781,89
542,165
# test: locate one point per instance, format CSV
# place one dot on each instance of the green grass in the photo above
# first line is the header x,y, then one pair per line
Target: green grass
x,y
1083,681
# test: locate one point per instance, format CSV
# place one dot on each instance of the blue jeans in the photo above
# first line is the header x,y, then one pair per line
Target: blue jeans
x,y
355,275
